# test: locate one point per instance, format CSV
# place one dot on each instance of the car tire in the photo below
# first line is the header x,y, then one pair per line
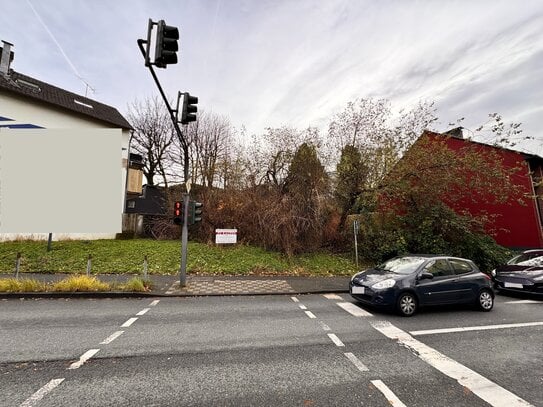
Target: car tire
x,y
407,304
485,300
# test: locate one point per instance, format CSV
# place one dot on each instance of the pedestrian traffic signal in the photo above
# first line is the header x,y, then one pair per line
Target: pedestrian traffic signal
x,y
189,109
178,212
195,212
166,45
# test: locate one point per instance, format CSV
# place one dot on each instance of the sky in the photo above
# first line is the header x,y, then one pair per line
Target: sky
x,y
269,63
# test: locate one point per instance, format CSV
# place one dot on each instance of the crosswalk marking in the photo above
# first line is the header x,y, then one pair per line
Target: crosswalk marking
x,y
353,309
484,388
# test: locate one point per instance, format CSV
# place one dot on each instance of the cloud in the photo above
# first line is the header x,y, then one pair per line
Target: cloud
x,y
270,63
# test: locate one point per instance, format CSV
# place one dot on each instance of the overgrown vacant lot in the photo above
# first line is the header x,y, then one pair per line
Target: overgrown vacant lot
x,y
127,256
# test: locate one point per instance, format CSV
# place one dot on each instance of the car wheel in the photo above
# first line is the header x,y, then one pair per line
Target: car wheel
x,y
407,304
485,300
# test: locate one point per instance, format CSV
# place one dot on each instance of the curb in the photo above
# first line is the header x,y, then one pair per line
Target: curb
x,y
113,294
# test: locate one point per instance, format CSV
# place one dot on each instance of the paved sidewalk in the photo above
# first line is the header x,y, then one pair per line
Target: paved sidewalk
x,y
201,285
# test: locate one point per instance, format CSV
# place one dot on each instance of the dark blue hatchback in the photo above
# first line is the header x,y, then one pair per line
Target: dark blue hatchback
x,y
408,282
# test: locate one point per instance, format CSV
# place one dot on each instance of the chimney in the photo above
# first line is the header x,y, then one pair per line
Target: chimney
x,y
456,132
6,56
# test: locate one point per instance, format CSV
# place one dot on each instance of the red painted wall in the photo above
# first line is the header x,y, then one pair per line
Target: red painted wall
x,y
516,226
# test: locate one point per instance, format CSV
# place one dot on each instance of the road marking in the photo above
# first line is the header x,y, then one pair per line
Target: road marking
x,y
155,302
332,296
361,366
295,299
86,356
523,302
41,393
129,322
335,339
310,314
143,311
353,309
111,338
473,328
391,397
324,326
302,306
487,390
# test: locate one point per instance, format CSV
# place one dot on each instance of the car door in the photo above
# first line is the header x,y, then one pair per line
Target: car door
x,y
466,276
441,288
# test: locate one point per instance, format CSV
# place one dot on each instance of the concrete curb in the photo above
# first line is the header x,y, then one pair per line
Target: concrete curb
x,y
111,294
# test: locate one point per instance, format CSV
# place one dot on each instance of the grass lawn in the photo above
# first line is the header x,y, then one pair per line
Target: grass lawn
x,y
126,256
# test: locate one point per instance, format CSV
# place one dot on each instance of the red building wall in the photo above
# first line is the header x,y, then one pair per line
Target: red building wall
x,y
515,225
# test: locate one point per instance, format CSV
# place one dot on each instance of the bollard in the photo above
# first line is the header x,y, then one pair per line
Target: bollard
x,y
145,267
89,265
17,265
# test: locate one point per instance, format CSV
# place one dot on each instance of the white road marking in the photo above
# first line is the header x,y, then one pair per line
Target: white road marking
x,y
324,326
332,296
523,302
310,314
295,299
143,311
86,356
41,393
391,397
111,338
487,390
155,302
361,366
302,306
129,322
353,309
473,328
335,339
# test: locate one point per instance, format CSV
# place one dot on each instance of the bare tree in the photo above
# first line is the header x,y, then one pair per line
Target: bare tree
x,y
153,136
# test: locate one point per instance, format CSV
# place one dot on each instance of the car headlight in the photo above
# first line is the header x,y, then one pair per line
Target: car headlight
x,y
493,272
381,285
356,275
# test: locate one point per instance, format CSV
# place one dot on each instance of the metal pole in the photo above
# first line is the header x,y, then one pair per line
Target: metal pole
x,y
49,241
17,265
184,242
145,267
89,265
355,228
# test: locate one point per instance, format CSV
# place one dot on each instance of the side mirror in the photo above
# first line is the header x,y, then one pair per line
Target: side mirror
x,y
425,275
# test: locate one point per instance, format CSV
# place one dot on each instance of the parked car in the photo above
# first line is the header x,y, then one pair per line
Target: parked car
x,y
523,273
406,283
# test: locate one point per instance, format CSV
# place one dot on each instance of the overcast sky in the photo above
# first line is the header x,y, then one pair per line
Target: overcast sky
x,y
296,62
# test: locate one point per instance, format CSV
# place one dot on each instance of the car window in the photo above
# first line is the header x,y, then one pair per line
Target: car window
x,y
529,256
402,265
460,266
533,261
438,268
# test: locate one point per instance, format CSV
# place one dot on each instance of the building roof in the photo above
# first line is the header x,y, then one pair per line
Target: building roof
x,y
28,87
458,134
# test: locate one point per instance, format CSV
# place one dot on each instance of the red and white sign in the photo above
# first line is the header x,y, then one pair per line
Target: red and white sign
x,y
226,236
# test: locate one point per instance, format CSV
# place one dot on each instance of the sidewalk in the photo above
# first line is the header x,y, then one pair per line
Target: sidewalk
x,y
199,285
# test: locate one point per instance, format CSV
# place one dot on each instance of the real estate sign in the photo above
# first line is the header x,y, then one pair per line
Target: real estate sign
x,y
226,236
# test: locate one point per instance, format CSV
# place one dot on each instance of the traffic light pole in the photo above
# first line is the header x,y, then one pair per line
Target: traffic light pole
x,y
185,231
184,242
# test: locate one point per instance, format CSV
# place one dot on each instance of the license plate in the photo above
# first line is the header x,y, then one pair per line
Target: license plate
x,y
512,285
358,290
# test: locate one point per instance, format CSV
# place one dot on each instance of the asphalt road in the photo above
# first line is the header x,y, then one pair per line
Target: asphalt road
x,y
311,350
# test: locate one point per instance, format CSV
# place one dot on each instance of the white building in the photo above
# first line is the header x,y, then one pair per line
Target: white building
x,y
26,102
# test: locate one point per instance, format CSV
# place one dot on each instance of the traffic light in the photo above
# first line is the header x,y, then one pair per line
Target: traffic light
x,y
195,212
178,212
189,109
166,45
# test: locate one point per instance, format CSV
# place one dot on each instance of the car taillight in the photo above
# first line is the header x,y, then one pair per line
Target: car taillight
x,y
487,276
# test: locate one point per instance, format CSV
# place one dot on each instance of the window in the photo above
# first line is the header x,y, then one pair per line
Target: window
x,y
460,266
439,268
